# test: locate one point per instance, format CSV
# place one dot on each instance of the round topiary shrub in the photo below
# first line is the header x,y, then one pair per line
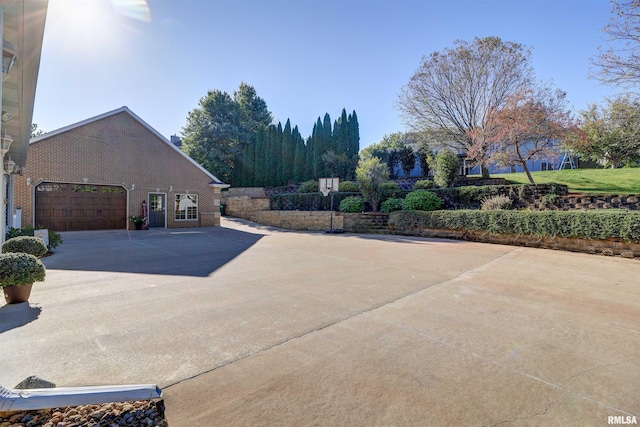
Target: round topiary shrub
x,y
422,200
310,186
25,245
389,189
20,269
352,204
424,184
392,205
348,187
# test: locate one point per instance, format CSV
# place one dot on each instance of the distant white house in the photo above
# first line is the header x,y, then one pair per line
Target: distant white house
x,y
559,160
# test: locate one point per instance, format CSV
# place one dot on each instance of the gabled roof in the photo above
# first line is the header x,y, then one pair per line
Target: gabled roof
x,y
215,181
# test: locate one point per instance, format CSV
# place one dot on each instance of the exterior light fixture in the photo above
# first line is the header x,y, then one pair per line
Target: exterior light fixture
x,y
6,117
9,165
9,56
6,141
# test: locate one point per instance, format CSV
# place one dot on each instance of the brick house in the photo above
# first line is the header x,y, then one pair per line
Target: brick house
x,y
95,174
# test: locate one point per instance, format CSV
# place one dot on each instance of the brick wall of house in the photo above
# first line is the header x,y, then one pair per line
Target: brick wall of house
x,y
117,150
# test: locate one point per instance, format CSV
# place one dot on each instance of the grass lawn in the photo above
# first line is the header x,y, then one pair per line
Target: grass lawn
x,y
610,181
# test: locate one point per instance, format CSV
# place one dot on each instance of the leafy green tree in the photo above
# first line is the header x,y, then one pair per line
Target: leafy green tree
x,y
220,127
454,90
611,133
371,174
211,134
447,168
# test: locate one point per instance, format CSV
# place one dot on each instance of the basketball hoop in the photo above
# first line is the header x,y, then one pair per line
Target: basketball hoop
x,y
328,185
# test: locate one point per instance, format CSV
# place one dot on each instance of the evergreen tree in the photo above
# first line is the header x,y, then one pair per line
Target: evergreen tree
x,y
317,137
260,165
310,153
287,153
300,157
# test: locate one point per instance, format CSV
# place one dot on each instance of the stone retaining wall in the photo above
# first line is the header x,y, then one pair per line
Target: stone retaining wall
x,y
296,220
241,205
601,247
584,201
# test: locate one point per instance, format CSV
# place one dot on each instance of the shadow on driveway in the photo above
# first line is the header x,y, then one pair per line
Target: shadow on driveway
x,y
190,252
15,315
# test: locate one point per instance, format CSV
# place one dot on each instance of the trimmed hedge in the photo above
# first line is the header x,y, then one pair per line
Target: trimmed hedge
x,y
610,224
307,201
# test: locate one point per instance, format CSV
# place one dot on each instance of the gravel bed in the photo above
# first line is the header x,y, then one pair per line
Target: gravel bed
x,y
118,414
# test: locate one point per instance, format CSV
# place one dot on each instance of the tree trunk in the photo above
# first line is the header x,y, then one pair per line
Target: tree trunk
x,y
485,171
526,169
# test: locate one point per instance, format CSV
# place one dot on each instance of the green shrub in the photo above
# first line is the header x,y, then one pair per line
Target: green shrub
x,y
602,224
388,190
25,245
352,205
348,187
424,184
54,238
20,269
421,200
307,202
495,203
447,168
310,186
392,205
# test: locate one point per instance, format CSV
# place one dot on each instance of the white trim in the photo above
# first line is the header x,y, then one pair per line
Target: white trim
x,y
216,182
175,207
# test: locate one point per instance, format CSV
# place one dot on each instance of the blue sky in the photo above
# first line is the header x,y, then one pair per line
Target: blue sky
x,y
304,57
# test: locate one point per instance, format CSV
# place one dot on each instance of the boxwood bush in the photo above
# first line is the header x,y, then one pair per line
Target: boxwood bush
x,y
54,238
392,205
424,184
310,186
390,189
609,224
25,245
421,200
348,187
20,269
352,204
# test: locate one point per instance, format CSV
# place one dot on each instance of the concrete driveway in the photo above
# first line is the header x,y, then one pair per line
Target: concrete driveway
x,y
248,325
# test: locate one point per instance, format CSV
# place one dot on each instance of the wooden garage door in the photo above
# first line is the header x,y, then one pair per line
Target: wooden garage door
x,y
72,207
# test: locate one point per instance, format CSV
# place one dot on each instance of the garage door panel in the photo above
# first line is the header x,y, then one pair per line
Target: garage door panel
x,y
67,207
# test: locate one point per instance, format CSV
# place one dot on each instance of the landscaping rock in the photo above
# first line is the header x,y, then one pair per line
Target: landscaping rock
x,y
127,414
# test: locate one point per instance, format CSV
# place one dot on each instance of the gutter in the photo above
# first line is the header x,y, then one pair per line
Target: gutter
x,y
43,398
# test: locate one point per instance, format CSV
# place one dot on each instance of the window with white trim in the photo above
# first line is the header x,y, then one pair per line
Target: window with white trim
x,y
186,206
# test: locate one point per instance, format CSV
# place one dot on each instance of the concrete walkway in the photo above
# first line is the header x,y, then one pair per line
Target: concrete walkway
x,y
248,325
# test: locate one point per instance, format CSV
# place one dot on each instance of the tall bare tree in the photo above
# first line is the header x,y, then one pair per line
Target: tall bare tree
x,y
619,64
454,90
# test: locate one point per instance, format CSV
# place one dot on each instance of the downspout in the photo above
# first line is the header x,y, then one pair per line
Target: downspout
x,y
43,398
